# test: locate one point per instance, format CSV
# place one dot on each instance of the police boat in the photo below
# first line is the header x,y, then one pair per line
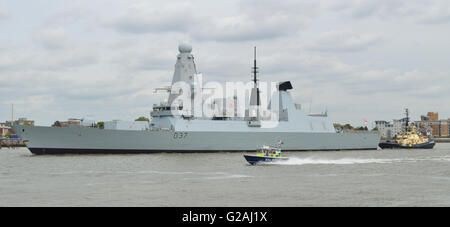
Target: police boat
x,y
266,154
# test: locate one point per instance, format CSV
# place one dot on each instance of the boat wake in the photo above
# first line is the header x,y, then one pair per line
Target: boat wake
x,y
319,161
226,176
351,161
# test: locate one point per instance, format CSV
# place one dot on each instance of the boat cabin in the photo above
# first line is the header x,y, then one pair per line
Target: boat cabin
x,y
268,151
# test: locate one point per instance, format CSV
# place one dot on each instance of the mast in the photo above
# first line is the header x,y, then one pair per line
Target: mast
x,y
12,114
407,120
255,80
254,98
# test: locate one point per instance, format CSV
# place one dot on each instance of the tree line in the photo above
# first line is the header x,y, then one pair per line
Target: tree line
x,y
350,127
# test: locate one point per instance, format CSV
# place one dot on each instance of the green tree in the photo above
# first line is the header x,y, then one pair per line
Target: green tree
x,y
27,123
337,125
56,124
100,125
348,126
361,128
142,119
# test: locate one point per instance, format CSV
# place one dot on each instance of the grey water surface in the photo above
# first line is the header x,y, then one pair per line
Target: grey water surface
x,y
328,178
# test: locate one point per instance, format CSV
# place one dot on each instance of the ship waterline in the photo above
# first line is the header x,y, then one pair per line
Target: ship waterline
x,y
50,140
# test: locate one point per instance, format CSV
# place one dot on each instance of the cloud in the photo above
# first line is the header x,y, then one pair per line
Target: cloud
x,y
345,41
259,20
145,59
242,26
79,59
4,15
35,102
11,58
393,82
105,57
52,38
436,15
152,18
317,67
426,12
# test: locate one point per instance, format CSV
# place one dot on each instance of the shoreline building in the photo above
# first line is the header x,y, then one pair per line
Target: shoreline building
x,y
390,130
6,127
4,130
384,128
20,121
70,122
432,125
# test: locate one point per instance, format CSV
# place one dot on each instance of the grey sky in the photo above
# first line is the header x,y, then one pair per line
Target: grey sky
x,y
358,59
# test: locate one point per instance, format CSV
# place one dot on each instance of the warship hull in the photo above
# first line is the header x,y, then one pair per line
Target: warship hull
x,y
79,140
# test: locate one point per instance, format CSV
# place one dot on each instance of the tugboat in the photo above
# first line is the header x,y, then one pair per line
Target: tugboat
x,y
266,154
409,139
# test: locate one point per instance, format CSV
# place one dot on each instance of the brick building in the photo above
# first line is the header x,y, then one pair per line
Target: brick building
x,y
433,125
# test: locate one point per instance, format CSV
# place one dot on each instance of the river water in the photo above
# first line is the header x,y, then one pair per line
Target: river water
x,y
337,178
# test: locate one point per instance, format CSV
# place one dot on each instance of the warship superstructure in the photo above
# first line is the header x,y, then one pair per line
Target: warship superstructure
x,y
180,124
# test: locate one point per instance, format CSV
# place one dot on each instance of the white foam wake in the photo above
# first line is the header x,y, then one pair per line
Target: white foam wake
x,y
349,161
321,161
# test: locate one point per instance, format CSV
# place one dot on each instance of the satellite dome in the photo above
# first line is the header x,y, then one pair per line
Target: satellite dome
x,y
184,48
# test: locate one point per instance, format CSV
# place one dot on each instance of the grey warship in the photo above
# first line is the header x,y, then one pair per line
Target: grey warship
x,y
177,125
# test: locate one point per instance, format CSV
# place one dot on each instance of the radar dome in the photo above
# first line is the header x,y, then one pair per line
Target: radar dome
x,y
184,48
